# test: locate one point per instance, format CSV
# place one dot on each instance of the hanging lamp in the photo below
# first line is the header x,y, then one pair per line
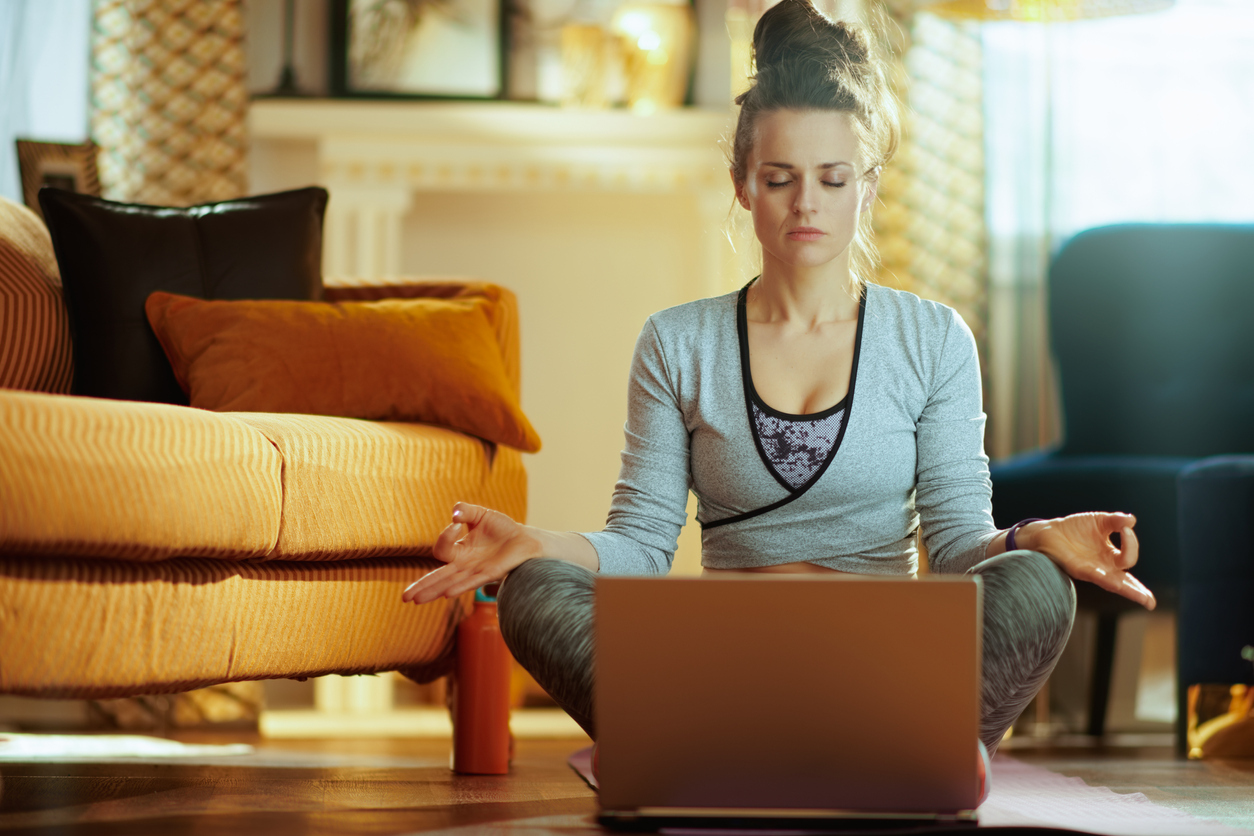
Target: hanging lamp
x,y
1043,11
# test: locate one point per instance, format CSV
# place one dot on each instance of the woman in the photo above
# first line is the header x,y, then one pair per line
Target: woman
x,y
819,420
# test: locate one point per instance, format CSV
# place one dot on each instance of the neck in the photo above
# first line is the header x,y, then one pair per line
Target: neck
x,y
807,296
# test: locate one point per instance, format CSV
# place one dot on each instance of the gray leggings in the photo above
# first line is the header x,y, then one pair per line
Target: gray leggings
x,y
546,616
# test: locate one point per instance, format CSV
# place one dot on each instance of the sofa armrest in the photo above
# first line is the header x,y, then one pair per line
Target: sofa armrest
x,y
503,311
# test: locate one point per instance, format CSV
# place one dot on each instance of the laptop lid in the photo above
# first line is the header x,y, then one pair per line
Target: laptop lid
x,y
785,695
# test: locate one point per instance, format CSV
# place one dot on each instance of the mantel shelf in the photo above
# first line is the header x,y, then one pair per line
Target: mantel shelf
x,y
510,123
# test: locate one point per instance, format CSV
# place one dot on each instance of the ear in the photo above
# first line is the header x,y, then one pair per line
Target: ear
x,y
742,196
872,188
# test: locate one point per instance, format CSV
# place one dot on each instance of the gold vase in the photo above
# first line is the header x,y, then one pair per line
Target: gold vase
x,y
656,42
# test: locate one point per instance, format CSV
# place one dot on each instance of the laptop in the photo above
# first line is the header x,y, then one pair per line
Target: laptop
x,y
787,701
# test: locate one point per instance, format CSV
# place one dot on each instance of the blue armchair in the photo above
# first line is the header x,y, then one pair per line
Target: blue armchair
x,y
1152,327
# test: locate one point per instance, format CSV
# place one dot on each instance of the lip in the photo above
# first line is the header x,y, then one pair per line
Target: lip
x,y
805,233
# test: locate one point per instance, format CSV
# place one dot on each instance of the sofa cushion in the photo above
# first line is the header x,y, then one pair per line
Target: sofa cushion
x,y
34,331
112,255
502,305
354,488
430,360
98,628
114,479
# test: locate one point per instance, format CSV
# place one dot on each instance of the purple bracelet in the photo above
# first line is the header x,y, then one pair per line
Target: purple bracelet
x,y
1010,534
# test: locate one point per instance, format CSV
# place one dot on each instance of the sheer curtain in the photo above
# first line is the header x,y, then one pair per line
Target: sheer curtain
x,y
43,77
1148,118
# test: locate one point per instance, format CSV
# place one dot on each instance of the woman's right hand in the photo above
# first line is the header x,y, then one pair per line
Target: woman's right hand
x,y
478,547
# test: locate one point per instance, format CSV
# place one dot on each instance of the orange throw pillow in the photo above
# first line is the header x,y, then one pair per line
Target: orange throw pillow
x,y
429,360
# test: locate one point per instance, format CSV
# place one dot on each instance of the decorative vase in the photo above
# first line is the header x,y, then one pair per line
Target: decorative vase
x,y
656,40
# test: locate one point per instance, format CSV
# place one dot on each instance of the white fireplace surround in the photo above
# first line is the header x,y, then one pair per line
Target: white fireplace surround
x,y
373,156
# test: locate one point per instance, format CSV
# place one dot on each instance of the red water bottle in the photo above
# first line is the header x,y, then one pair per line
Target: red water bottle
x,y
481,743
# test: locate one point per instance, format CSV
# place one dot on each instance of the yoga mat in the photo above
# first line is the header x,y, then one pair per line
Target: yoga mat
x,y
1026,796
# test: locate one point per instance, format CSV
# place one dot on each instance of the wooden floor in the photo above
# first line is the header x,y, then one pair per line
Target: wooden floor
x,y
399,786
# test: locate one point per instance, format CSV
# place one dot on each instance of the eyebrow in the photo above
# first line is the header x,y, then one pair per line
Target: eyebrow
x,y
790,166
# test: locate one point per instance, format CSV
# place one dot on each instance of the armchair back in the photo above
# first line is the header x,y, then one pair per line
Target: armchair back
x,y
1152,326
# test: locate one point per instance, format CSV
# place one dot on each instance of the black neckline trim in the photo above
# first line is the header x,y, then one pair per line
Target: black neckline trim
x,y
751,396
786,416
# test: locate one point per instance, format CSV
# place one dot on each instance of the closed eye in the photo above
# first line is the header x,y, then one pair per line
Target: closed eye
x,y
776,184
773,184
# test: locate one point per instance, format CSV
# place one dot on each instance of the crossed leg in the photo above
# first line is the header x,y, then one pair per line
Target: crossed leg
x,y
546,611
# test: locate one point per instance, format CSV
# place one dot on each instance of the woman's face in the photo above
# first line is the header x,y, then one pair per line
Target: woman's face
x,y
805,187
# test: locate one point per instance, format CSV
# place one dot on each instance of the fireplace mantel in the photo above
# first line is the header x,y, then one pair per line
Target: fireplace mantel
x,y
374,156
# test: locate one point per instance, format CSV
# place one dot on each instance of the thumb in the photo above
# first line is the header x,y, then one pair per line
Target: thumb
x,y
446,544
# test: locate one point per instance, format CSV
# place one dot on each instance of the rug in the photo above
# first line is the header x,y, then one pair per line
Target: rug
x,y
1025,797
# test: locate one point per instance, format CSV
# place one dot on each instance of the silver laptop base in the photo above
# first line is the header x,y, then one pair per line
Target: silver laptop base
x,y
792,821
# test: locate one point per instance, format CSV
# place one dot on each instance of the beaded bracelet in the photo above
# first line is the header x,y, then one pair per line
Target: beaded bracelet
x,y
1010,534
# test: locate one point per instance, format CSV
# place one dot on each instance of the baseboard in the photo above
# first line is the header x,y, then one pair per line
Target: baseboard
x,y
525,723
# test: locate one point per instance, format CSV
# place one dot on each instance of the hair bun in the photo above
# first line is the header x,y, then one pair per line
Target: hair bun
x,y
795,30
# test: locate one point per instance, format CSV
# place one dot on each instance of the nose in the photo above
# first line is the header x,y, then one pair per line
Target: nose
x,y
806,199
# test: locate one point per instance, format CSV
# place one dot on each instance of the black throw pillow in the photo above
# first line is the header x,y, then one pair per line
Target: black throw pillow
x,y
113,255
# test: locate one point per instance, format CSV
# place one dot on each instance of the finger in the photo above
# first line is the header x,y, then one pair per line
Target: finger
x,y
471,515
1121,583
1112,522
435,584
1130,548
467,584
1141,593
412,591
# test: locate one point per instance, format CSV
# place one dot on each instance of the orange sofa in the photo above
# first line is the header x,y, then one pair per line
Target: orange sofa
x,y
148,548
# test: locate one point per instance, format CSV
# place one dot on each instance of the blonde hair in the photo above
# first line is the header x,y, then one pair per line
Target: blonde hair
x,y
805,61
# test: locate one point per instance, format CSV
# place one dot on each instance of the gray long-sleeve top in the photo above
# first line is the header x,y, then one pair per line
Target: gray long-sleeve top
x,y
911,451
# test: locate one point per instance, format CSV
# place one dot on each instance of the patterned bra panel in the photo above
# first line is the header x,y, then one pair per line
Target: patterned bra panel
x,y
797,449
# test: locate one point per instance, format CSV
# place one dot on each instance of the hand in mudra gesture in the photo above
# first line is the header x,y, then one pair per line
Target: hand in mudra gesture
x,y
480,546
1081,545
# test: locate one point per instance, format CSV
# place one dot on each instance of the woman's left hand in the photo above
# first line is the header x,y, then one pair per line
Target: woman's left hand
x,y
1081,545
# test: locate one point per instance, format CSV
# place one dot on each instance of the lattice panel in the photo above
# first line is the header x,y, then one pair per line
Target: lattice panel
x,y
169,100
930,222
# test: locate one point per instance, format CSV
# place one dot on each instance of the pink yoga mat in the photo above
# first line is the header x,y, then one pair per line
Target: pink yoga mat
x,y
1027,796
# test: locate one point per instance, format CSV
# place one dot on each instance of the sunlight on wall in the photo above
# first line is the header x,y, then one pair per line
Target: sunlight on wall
x,y
588,271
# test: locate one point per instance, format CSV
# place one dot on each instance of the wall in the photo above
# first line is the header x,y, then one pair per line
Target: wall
x,y
588,270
